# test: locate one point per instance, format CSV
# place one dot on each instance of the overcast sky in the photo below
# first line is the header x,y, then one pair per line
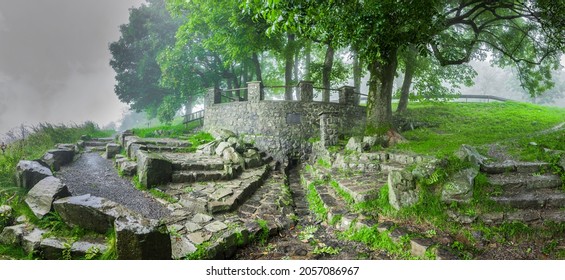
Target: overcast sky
x,y
54,60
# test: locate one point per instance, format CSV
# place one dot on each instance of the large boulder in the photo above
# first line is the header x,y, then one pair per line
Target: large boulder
x,y
142,239
112,150
153,169
89,212
459,187
222,134
356,144
208,148
58,157
126,167
40,198
13,235
230,156
402,190
252,159
221,147
29,173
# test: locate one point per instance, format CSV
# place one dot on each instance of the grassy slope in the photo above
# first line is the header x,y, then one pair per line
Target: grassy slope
x,y
481,123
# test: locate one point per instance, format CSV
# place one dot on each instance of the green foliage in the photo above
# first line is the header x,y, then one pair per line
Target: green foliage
x,y
263,235
149,31
200,253
325,250
324,164
307,233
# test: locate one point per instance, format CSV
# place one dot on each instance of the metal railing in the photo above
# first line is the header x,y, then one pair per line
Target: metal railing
x,y
487,97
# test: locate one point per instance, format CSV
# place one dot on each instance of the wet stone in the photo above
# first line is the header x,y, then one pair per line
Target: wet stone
x,y
523,216
201,218
221,193
419,246
492,218
192,227
215,226
384,226
397,234
198,237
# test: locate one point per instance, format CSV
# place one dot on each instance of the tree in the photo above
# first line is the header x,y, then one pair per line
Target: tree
x,y
134,57
528,34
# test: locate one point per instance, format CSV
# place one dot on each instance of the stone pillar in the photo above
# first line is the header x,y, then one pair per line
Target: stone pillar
x,y
306,91
329,127
213,96
254,92
347,95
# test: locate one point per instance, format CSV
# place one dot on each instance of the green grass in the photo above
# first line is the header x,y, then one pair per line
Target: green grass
x,y
476,124
166,130
315,202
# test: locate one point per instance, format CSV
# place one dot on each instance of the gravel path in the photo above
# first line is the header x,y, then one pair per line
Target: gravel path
x,y
92,174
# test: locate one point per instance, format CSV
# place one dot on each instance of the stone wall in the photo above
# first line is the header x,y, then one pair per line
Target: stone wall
x,y
282,128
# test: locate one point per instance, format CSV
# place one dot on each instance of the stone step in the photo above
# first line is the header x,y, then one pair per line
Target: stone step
x,y
522,181
514,166
361,187
525,216
157,148
191,161
533,199
92,143
198,176
391,166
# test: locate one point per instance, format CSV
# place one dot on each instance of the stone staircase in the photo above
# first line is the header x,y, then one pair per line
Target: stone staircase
x,y
527,191
219,200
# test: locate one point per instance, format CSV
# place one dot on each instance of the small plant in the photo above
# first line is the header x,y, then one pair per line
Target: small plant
x,y
92,253
322,249
324,164
307,233
430,233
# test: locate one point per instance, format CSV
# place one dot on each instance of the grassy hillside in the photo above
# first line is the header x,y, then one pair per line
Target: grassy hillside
x,y
453,124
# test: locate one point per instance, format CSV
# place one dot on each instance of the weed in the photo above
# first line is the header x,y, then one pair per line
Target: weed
x,y
324,163
307,233
324,249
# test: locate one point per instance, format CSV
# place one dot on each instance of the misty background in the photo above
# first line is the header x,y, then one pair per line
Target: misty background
x,y
54,61
54,65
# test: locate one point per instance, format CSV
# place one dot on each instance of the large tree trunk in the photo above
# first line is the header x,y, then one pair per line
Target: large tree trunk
x,y
289,65
408,75
307,60
357,75
379,109
188,105
257,64
326,73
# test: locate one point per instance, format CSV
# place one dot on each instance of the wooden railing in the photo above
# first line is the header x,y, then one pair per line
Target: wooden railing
x,y
196,116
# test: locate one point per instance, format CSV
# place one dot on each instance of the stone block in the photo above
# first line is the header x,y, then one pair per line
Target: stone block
x,y
29,173
112,150
142,239
58,157
153,169
40,198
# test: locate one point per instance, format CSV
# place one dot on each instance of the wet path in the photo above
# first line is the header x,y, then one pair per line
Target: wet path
x,y
92,174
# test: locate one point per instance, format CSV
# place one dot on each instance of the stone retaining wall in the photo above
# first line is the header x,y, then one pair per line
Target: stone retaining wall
x,y
281,127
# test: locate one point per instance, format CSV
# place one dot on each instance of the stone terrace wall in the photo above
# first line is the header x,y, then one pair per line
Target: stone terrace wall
x,y
282,128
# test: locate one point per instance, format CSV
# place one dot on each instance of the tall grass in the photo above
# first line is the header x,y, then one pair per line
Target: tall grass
x,y
33,144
